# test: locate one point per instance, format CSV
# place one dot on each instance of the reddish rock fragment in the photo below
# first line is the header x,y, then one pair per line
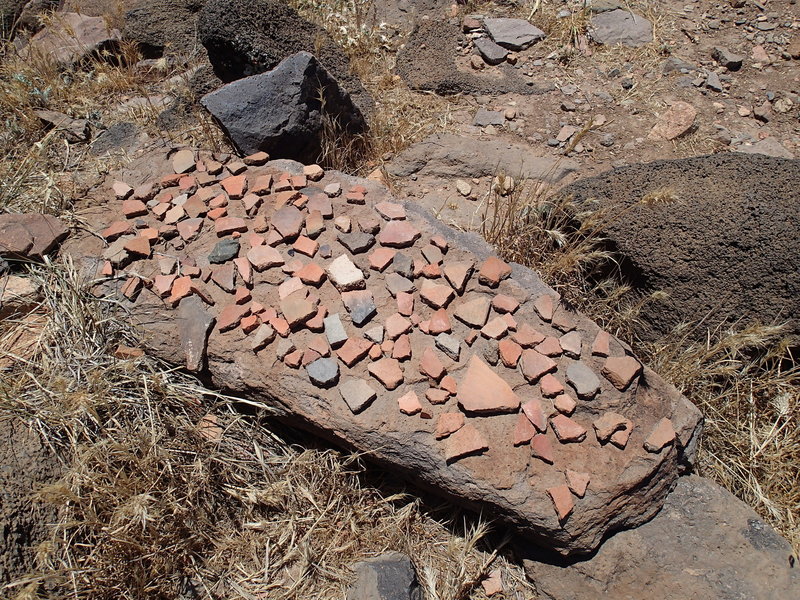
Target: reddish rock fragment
x,y
562,500
448,383
244,268
311,274
532,409
437,396
430,365
131,288
577,482
435,295
256,159
133,208
563,320
288,221
398,234
602,344
544,305
567,430
495,329
231,316
439,322
235,185
493,271
387,371
482,391
402,348
409,403
527,337
565,403
505,304
162,284
457,274
264,257
250,323
227,225
523,430
550,386
605,426
549,347
138,247
464,442
113,231
621,371
663,435
353,350
474,312
297,309
620,438
405,303
509,352
542,449
533,365
391,210
447,424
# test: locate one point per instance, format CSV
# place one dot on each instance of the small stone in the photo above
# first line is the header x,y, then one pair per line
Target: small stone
x,y
482,391
255,159
360,305
264,257
139,247
607,425
577,482
345,275
297,309
542,449
354,350
357,242
398,234
381,258
550,386
437,396
357,394
430,365
677,121
409,403
397,284
544,305
505,304
563,320
224,276
235,186
464,442
432,254
726,58
388,372
403,265
288,222
439,322
447,424
396,325
457,274
463,188
231,316
334,330
495,329
311,274
514,34
523,430
583,379
620,437
375,334
571,344
183,161
402,348
323,372
621,371
567,430
527,337
565,403
601,344
405,303
510,352
313,172
306,246
263,336
663,435
449,345
533,365
436,295
391,211
493,271
333,189
562,500
493,584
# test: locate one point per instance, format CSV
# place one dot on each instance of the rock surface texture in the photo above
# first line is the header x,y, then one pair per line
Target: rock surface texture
x,y
705,543
621,26
395,399
71,37
722,241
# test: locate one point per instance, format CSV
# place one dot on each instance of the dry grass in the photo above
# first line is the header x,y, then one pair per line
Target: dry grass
x,y
170,489
745,380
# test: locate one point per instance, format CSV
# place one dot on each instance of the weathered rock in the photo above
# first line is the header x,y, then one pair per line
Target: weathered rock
x,y
18,296
280,111
194,323
705,543
71,38
163,27
676,121
768,147
621,26
449,155
726,58
390,576
247,37
29,236
514,34
492,53
75,130
477,464
739,212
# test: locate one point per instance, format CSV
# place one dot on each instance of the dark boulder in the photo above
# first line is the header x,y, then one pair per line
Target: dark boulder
x,y
164,27
390,576
280,111
247,37
719,237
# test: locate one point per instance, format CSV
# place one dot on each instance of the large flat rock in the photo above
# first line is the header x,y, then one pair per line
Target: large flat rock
x,y
705,543
422,401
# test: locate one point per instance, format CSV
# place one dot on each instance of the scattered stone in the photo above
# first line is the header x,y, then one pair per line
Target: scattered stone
x,y
607,425
484,118
463,188
577,482
31,236
514,34
387,371
390,576
69,38
345,275
323,372
263,336
447,424
357,242
621,371
409,403
562,500
726,58
464,442
360,305
483,391
542,449
567,430
663,435
621,26
398,234
491,53
583,380
430,365
473,312
457,274
533,365
334,330
493,271
449,345
675,122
